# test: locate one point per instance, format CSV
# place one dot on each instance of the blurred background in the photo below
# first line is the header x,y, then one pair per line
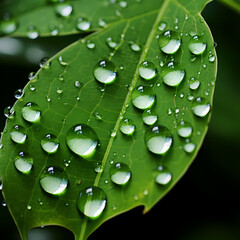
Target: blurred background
x,y
205,204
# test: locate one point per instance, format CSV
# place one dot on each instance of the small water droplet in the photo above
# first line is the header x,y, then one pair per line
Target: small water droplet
x,y
9,112
189,147
193,83
123,4
135,47
54,30
29,207
163,176
64,9
31,76
98,168
158,140
90,44
169,42
32,87
83,24
101,23
184,129
44,63
18,93
54,180
61,61
32,32
112,44
31,112
120,173
211,58
23,163
50,143
143,97
98,116
162,26
196,45
18,134
105,72
127,126
4,204
82,140
147,70
92,201
149,117
200,107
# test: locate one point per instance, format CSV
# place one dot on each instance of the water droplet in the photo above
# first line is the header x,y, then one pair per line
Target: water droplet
x,y
31,112
64,9
135,47
143,97
112,44
184,129
169,42
9,112
172,74
149,117
82,140
50,143
23,163
162,26
31,75
83,24
61,61
200,107
18,94
18,134
29,207
163,177
105,72
31,87
196,45
90,45
193,83
123,4
98,116
101,22
158,140
32,32
98,168
120,173
189,147
127,126
147,70
8,26
54,180
211,58
54,30
113,133
91,202
44,63
4,204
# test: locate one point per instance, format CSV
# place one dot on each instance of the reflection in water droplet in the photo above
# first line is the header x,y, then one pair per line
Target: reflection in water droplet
x,y
127,126
54,180
83,24
91,202
31,112
120,173
189,147
200,107
163,177
64,9
8,26
50,143
149,117
143,97
184,129
169,42
172,74
82,140
18,134
197,46
23,163
105,72
158,140
147,70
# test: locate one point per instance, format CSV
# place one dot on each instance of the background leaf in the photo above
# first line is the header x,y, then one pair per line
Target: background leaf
x,y
74,61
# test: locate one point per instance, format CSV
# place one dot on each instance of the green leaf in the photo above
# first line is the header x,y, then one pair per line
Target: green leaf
x,y
233,4
68,93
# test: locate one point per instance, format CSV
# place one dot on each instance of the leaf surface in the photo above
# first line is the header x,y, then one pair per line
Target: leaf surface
x,y
63,104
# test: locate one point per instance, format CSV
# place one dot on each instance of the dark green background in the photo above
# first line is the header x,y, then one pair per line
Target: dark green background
x,y
205,204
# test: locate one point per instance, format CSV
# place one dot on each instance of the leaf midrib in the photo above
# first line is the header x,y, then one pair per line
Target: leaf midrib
x,y
127,100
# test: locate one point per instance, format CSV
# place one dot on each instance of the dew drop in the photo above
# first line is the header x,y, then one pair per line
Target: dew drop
x,y
158,140
112,44
197,46
98,116
189,147
127,126
61,61
9,112
143,97
31,76
172,74
83,24
44,63
8,26
162,26
163,176
200,107
18,94
90,45
31,112
82,140
92,201
105,72
98,168
135,47
54,30
211,58
23,163
120,173
32,32
169,42
18,134
50,143
54,180
64,9
101,23
147,70
123,4
193,84
149,117
184,129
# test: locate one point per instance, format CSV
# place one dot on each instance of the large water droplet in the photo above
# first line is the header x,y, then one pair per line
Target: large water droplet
x,y
158,140
23,163
18,134
120,173
197,46
127,126
172,74
201,107
54,180
92,201
184,129
83,24
64,9
8,26
50,143
31,112
149,117
147,70
82,140
169,42
105,72
163,177
143,97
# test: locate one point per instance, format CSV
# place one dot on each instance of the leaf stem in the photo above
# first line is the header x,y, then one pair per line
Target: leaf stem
x,y
231,4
